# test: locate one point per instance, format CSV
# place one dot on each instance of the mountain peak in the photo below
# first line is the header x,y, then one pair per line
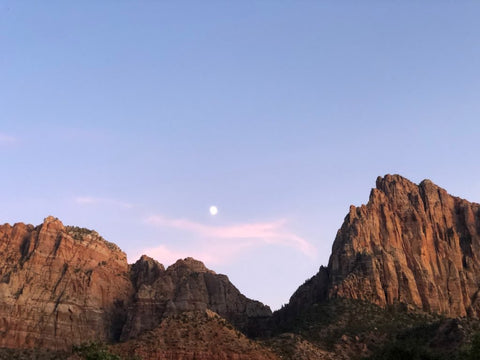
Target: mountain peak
x,y
63,285
411,244
403,242
51,223
191,265
391,185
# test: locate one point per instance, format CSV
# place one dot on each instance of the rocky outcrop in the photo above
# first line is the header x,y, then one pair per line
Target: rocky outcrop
x,y
63,285
411,244
193,335
60,286
186,285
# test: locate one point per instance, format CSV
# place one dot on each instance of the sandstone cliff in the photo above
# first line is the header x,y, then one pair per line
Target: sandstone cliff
x,y
56,286
411,244
63,285
187,285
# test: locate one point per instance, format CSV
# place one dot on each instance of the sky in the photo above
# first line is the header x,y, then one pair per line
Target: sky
x,y
134,117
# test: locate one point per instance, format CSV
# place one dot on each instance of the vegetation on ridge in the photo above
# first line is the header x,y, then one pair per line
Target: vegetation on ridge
x,y
79,233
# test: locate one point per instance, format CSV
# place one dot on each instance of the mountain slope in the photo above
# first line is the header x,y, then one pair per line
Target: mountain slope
x,y
193,335
410,244
400,265
63,285
56,286
187,285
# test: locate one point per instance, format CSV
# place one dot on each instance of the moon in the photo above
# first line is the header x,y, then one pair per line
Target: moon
x,y
213,210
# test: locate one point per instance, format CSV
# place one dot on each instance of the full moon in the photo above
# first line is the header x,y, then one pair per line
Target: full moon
x,y
213,210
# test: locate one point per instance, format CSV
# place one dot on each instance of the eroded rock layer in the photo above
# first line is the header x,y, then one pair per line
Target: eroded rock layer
x,y
63,285
411,244
187,285
56,286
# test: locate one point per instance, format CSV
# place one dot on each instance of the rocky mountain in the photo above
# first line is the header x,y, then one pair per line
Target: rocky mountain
x,y
410,244
186,285
193,335
403,277
59,286
63,285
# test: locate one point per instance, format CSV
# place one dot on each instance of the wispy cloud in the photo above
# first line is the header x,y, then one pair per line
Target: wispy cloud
x,y
7,139
267,232
218,244
92,200
168,256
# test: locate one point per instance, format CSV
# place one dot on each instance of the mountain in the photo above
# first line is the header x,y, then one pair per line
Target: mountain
x,y
403,278
186,285
193,335
410,244
63,285
60,286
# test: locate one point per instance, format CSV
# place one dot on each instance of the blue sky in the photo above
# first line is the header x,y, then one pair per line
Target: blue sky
x,y
132,118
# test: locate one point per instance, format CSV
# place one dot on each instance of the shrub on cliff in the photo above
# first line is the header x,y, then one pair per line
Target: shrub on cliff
x,y
94,351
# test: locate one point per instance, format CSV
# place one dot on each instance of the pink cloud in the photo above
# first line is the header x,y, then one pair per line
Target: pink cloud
x,y
7,139
168,256
234,239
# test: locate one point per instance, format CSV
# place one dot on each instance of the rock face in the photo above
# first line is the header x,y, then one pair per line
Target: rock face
x,y
187,285
63,285
193,335
56,286
411,244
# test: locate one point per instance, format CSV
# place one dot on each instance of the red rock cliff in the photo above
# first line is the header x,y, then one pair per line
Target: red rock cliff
x,y
411,244
63,285
186,285
59,286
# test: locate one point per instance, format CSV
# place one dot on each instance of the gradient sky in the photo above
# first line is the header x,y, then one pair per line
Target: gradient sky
x,y
133,117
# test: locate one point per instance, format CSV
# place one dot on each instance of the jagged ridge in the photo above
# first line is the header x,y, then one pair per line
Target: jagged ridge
x,y
410,244
57,288
186,285
61,286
